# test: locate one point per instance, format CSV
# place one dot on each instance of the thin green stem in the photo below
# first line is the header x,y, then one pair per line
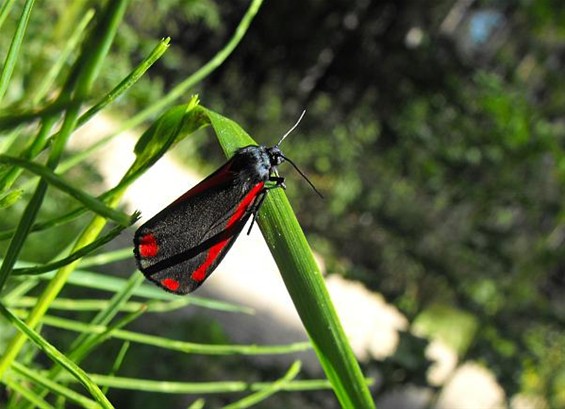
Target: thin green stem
x,y
87,68
58,357
75,255
303,280
271,389
5,11
27,374
181,89
87,200
14,50
63,57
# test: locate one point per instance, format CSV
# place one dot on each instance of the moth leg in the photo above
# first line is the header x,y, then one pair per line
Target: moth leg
x,y
256,208
279,182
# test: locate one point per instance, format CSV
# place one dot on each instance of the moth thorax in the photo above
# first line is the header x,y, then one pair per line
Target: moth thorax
x,y
275,156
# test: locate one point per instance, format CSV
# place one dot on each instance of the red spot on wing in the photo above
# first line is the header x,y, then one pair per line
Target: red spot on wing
x,y
200,273
148,246
170,284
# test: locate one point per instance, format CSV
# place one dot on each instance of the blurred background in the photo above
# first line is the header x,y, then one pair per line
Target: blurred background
x,y
434,130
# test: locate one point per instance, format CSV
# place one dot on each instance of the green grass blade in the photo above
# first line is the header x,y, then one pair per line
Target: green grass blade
x,y
20,290
94,340
14,50
70,304
24,224
77,254
5,10
117,363
63,57
303,281
84,341
147,385
112,284
127,82
10,198
268,391
106,258
15,299
8,178
47,224
201,387
78,86
174,345
197,404
87,200
176,123
190,120
181,89
16,385
58,357
24,374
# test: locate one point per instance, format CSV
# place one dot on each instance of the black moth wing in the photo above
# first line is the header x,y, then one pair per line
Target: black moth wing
x,y
180,246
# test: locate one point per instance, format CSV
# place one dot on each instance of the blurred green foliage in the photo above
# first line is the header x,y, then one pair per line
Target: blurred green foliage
x,y
440,155
441,160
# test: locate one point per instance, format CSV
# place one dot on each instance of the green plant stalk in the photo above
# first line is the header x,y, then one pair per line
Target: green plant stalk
x,y
77,354
174,345
5,11
156,142
20,290
52,178
70,45
39,142
106,258
85,341
181,89
21,371
197,404
148,385
127,82
51,291
72,304
93,340
270,390
58,357
13,51
16,299
8,178
25,223
117,363
22,231
303,280
307,289
87,68
23,390
112,284
76,255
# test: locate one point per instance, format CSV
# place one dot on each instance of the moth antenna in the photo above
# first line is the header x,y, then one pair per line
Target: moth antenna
x,y
291,129
302,174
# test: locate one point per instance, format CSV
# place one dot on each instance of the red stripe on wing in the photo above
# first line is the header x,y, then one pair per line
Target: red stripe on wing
x,y
219,177
200,273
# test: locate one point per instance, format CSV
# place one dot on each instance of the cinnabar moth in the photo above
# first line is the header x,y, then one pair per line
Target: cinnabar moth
x,y
182,245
